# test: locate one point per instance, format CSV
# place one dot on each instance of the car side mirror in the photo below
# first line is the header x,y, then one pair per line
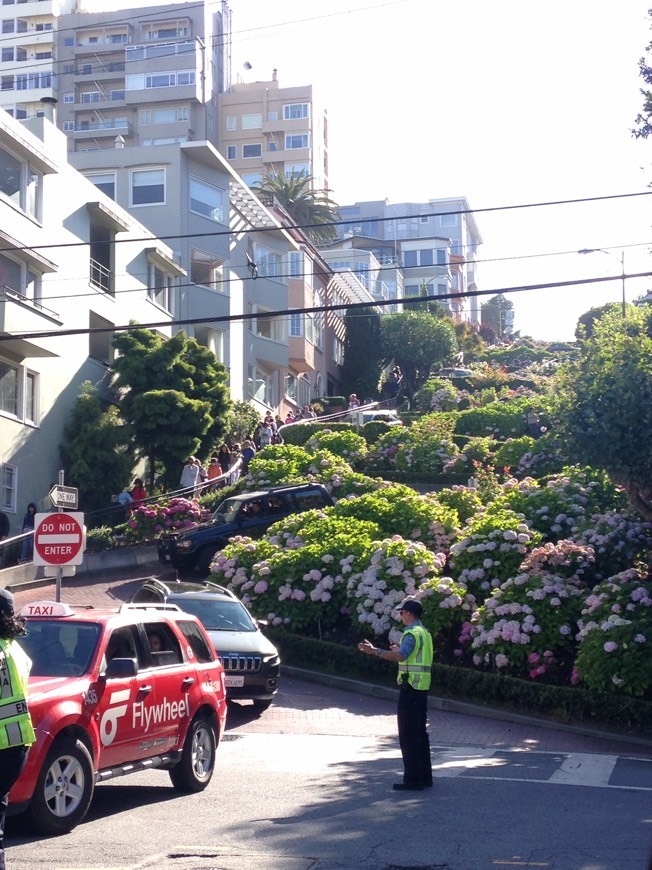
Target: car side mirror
x,y
120,669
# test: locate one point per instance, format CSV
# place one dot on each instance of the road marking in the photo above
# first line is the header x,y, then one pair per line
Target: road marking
x,y
580,768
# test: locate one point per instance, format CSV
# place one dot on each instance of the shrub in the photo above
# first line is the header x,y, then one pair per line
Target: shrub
x,y
476,452
510,453
148,521
500,420
346,444
619,540
100,538
615,636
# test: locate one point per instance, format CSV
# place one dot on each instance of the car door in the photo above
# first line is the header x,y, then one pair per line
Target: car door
x,y
252,520
164,714
120,699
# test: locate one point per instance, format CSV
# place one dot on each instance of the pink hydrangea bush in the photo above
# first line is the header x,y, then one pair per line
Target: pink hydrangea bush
x,y
615,636
148,521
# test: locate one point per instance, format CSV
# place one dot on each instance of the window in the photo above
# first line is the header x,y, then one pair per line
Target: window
x,y
272,116
91,97
8,26
318,321
252,122
231,124
269,263
296,110
411,290
101,264
139,81
252,179
206,199
231,152
270,327
259,385
207,270
296,169
100,347
148,187
169,115
213,339
442,289
441,256
8,388
20,183
168,30
68,41
117,95
296,269
7,83
297,140
296,325
21,54
448,220
9,487
68,126
7,54
425,257
291,386
424,219
338,351
409,258
104,181
159,286
249,151
30,403
69,98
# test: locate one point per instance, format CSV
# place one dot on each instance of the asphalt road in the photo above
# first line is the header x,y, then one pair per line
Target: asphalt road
x,y
307,786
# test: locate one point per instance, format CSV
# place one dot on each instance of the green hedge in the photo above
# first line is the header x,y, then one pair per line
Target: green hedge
x,y
557,703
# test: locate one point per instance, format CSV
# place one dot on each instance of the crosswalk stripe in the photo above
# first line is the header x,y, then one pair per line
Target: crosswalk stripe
x,y
579,768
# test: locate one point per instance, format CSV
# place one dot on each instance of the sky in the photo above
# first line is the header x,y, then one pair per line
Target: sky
x,y
505,103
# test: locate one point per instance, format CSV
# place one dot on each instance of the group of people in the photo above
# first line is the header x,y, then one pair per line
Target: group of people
x,y
197,478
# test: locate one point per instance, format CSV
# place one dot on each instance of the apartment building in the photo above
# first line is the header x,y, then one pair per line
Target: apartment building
x,y
434,243
73,265
148,75
264,129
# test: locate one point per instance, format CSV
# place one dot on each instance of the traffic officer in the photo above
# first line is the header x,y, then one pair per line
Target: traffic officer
x,y
16,732
414,657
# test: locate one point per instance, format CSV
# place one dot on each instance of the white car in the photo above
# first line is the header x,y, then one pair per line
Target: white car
x,y
388,417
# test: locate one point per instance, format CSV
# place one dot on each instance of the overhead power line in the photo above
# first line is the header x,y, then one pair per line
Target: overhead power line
x,y
230,318
336,223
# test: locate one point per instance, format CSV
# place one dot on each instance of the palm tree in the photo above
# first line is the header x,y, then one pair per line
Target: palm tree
x,y
312,210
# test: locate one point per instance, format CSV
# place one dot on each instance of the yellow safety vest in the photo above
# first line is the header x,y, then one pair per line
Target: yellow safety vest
x,y
15,722
418,664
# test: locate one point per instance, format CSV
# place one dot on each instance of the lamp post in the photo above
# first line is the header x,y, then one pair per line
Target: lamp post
x,y
622,269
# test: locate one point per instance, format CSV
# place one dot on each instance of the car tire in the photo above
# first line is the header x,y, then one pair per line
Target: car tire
x,y
195,769
64,788
205,558
260,706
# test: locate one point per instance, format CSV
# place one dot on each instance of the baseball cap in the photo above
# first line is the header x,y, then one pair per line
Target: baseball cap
x,y
6,601
412,605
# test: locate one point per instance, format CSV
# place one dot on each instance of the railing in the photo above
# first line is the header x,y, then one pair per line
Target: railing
x,y
112,124
100,276
10,293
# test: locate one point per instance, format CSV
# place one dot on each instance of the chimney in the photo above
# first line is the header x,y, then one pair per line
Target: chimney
x,y
48,104
274,77
119,141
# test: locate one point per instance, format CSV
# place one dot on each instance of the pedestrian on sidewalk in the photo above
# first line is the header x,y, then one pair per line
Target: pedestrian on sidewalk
x,y
27,549
16,731
414,657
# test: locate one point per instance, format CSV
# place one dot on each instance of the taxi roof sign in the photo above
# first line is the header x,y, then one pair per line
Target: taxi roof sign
x,y
46,608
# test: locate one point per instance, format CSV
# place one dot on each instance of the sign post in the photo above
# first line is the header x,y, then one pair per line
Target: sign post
x,y
59,540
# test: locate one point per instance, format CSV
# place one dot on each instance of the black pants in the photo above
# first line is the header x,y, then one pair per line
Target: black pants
x,y
12,762
412,714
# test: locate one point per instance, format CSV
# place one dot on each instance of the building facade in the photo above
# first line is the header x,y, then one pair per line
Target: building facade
x,y
149,74
434,243
264,129
73,265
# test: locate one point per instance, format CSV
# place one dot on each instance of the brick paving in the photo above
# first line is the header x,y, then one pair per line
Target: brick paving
x,y
304,707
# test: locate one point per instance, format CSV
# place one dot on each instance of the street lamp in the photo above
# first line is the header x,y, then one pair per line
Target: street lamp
x,y
622,268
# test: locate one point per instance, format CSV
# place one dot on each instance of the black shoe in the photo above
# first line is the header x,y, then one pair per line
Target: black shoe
x,y
403,786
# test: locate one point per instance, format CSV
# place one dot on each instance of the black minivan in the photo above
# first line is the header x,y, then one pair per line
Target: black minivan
x,y
251,514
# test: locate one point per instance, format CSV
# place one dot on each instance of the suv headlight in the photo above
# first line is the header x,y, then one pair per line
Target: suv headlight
x,y
184,544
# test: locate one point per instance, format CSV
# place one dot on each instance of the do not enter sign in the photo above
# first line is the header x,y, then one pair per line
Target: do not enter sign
x,y
59,539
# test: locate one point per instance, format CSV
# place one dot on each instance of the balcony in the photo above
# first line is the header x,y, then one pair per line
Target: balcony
x,y
100,278
19,314
102,128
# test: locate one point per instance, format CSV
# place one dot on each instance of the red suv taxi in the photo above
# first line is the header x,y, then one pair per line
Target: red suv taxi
x,y
113,692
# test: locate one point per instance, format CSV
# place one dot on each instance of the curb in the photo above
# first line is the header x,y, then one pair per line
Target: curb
x,y
464,707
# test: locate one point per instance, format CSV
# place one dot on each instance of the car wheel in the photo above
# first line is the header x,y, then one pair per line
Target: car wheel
x,y
261,706
194,771
64,788
206,557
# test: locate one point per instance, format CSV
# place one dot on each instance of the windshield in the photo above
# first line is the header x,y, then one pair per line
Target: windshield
x,y
228,510
59,648
216,615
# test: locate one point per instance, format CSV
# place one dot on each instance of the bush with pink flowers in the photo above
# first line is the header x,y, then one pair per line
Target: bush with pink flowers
x,y
148,521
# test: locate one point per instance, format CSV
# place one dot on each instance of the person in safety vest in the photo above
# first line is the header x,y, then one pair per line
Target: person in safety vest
x,y
414,657
16,732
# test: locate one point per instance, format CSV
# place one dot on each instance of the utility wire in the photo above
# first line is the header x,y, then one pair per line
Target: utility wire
x,y
230,318
335,223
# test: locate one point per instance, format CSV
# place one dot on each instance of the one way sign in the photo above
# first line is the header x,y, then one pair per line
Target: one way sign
x,y
64,496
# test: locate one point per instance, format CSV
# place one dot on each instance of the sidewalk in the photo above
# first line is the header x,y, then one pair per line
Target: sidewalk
x,y
456,722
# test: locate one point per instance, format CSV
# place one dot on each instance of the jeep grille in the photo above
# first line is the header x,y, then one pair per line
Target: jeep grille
x,y
234,663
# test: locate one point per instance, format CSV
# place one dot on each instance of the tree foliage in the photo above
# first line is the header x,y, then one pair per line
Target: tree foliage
x,y
313,210
643,121
95,453
363,352
173,396
494,314
604,403
417,341
586,321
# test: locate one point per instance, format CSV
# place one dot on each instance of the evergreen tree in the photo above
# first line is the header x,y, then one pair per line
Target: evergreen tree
x,y
417,341
95,453
173,396
643,122
363,353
